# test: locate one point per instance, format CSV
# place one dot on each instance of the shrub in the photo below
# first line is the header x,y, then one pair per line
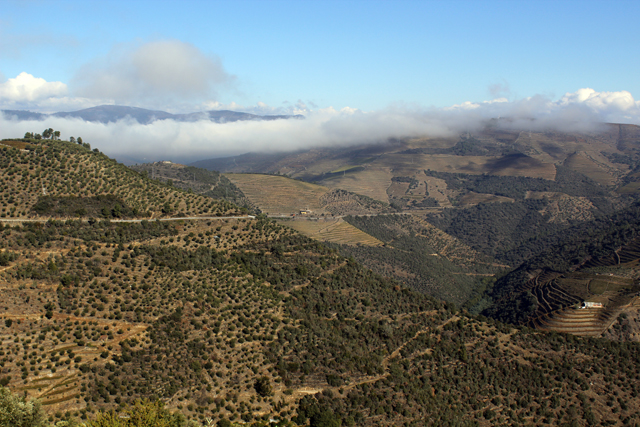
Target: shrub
x,y
17,412
263,386
142,413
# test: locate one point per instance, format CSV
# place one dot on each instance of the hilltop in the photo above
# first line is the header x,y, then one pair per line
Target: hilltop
x,y
45,178
245,319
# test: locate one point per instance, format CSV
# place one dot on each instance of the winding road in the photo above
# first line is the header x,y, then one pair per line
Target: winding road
x,y
186,218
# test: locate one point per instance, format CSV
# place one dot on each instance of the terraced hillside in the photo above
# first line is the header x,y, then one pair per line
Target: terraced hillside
x,y
559,302
278,195
333,231
369,181
557,298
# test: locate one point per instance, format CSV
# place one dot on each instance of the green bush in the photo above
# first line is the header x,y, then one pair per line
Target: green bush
x,y
263,386
142,413
18,412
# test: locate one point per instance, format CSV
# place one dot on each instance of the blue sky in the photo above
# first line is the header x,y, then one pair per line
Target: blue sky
x,y
362,54
360,71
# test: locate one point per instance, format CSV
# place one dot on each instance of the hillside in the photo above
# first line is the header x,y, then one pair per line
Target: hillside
x,y
505,195
280,196
421,256
208,183
606,156
595,261
572,176
46,171
403,247
243,319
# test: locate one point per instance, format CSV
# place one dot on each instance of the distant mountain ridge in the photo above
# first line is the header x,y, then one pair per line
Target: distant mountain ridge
x,y
113,113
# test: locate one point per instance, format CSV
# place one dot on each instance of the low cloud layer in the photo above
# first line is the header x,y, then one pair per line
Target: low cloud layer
x,y
184,142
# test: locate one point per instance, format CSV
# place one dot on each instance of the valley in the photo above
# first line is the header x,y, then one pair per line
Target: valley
x,y
501,195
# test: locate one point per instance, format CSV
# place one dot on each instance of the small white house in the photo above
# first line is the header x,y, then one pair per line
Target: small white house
x,y
589,304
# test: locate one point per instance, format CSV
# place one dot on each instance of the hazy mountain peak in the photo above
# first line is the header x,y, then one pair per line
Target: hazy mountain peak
x,y
115,113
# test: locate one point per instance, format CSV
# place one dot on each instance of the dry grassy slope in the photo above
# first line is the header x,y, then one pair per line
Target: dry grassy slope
x,y
59,168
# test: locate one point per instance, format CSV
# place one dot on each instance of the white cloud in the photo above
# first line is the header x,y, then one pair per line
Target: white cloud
x,y
260,108
157,72
468,105
26,88
602,102
26,92
580,109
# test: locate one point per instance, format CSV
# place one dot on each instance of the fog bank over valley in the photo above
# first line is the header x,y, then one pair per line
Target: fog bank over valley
x,y
130,141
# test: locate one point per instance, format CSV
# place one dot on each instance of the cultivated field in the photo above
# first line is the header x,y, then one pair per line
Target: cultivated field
x,y
278,195
372,182
598,171
472,198
334,231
